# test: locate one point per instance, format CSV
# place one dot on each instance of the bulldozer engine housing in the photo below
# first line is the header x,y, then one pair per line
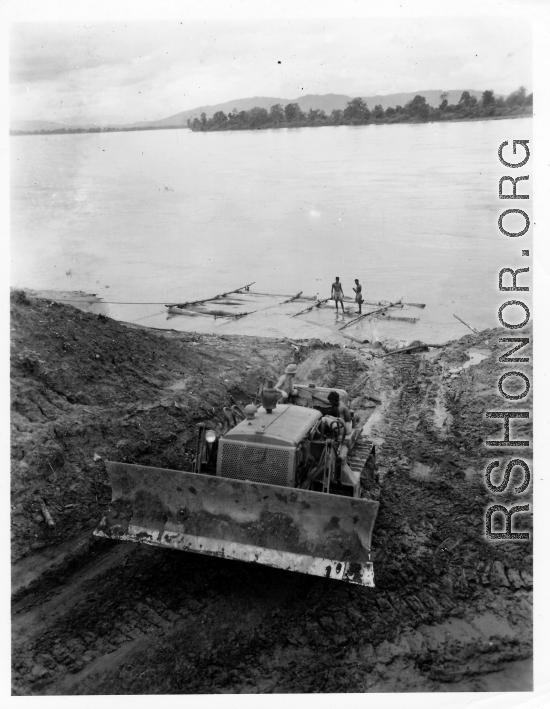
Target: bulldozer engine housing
x,y
265,448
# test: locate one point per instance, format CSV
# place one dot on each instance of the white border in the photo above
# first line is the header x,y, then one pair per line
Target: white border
x,y
536,10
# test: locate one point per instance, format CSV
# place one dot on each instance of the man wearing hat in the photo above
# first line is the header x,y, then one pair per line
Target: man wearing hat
x,y
285,384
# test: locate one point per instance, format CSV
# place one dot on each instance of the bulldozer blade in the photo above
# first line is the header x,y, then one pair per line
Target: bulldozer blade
x,y
288,528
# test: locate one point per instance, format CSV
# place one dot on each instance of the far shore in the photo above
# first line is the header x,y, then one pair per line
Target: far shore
x,y
67,131
71,131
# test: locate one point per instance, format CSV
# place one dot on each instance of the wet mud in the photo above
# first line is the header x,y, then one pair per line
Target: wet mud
x,y
451,611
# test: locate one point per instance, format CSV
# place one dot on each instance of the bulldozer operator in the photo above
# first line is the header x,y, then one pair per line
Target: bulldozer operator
x,y
337,412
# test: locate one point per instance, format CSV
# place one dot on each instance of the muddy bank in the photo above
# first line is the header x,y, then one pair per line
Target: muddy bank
x,y
86,388
450,611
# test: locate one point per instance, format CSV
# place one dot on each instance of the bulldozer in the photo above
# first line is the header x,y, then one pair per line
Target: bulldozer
x,y
281,485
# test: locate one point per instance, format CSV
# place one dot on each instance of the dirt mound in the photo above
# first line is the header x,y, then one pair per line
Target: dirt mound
x,y
86,388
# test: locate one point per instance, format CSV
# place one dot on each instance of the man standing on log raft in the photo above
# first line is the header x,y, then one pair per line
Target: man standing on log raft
x,y
337,294
358,294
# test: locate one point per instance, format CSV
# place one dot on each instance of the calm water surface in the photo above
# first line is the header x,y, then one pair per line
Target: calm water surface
x,y
164,216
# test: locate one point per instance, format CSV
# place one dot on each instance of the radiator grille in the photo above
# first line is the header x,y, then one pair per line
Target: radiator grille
x,y
262,465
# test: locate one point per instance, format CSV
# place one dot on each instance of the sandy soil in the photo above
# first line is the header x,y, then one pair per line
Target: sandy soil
x,y
450,611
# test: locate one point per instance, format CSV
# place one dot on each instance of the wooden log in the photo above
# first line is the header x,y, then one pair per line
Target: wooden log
x,y
294,297
379,302
410,348
229,302
206,300
465,323
182,311
372,312
315,305
385,316
283,295
355,339
190,313
236,316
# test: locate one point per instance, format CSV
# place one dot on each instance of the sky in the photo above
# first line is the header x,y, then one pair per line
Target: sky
x,y
125,72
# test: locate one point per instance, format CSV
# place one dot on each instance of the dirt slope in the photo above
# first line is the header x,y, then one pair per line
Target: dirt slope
x,y
86,388
449,608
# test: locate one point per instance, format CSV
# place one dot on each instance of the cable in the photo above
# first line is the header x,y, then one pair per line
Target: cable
x,y
152,315
101,302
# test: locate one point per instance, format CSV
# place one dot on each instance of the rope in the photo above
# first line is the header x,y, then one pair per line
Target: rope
x,y
152,315
102,302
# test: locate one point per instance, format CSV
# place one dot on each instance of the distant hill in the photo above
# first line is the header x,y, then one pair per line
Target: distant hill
x,y
325,102
36,125
241,104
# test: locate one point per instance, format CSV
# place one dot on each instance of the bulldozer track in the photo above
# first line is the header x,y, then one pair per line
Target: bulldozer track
x,y
346,370
405,371
358,457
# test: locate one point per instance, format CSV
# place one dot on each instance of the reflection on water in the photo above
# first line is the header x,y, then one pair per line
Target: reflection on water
x,y
165,216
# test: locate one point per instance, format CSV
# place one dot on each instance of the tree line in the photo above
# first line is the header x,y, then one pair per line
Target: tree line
x,y
357,113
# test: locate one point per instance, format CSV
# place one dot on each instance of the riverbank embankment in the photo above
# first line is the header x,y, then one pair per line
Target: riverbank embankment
x,y
450,611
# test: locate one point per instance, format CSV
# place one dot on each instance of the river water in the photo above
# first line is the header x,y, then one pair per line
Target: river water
x,y
170,216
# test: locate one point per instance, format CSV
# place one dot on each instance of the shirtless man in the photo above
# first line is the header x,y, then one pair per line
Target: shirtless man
x,y
358,294
338,294
338,411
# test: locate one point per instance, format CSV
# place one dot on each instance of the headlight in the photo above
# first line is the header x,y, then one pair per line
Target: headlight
x,y
210,436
